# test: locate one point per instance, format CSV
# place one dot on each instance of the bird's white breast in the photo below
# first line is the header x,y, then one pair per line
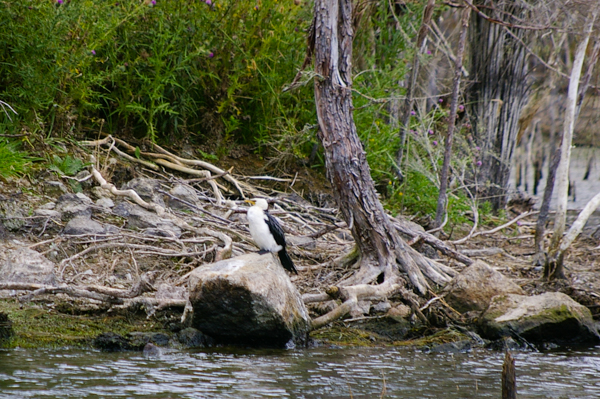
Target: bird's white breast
x,y
257,221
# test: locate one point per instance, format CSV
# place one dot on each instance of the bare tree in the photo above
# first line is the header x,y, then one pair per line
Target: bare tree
x,y
382,252
443,197
554,264
412,83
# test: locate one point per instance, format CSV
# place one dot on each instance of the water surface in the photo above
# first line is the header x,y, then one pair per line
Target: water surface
x,y
313,373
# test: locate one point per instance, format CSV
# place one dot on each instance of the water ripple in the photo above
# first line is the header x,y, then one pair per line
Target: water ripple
x,y
316,373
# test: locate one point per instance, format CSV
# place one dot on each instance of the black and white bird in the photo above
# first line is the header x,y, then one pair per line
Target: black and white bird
x,y
267,232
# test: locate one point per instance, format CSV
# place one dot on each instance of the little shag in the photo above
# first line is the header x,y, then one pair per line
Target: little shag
x,y
267,233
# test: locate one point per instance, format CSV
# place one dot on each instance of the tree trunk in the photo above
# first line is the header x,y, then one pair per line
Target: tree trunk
x,y
442,201
412,83
498,94
554,265
380,246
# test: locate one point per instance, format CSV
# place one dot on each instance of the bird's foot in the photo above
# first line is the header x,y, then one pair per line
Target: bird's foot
x,y
262,252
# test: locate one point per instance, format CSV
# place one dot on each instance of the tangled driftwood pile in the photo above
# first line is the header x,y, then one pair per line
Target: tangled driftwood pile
x,y
187,212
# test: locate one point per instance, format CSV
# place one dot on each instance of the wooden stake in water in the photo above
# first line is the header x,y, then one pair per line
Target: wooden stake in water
x,y
509,382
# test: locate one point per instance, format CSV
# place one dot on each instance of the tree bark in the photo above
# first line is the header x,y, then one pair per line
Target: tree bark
x,y
380,246
442,201
539,258
554,265
499,92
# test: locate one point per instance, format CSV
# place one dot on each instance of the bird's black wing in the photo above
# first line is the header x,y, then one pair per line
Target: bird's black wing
x,y
276,230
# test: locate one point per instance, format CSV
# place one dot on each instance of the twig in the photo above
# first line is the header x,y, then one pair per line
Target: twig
x,y
497,229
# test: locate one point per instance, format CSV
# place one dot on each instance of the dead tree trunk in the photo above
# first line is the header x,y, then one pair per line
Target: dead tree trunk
x,y
554,265
412,83
442,201
381,249
499,92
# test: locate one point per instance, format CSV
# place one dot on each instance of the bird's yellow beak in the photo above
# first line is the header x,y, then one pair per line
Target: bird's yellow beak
x,y
251,202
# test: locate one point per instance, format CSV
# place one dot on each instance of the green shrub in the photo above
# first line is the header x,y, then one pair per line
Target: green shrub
x,y
158,69
12,161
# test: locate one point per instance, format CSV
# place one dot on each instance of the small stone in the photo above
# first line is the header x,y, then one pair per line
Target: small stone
x,y
105,202
151,350
83,225
6,330
381,307
54,188
147,189
74,205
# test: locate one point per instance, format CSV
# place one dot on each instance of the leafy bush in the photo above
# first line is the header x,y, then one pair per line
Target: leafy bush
x,y
158,69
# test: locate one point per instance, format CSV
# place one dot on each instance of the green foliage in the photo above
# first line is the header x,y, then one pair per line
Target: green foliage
x,y
12,161
214,74
68,165
162,69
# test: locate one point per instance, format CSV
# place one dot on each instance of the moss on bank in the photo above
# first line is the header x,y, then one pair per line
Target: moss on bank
x,y
41,326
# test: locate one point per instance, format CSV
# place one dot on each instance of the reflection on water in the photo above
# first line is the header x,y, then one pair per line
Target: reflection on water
x,y
313,373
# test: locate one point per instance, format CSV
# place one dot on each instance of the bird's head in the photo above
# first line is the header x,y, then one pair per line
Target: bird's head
x,y
260,202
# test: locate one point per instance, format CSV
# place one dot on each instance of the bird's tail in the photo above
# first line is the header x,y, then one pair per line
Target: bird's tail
x,y
286,261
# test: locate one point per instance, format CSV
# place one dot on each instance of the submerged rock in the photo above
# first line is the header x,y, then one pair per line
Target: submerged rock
x,y
192,338
151,350
475,286
247,300
549,317
111,342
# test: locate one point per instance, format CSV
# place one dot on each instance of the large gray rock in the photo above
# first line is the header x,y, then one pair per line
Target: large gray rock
x,y
549,317
138,217
25,265
74,205
475,286
247,300
83,225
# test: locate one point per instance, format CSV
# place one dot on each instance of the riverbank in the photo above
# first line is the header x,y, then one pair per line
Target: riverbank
x,y
123,268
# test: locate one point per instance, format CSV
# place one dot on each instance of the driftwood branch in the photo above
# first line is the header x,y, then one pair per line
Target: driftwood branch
x,y
97,293
436,243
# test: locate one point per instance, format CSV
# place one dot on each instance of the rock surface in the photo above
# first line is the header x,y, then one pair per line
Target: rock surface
x,y
183,197
475,286
139,218
74,205
549,317
83,225
247,300
24,265
147,189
